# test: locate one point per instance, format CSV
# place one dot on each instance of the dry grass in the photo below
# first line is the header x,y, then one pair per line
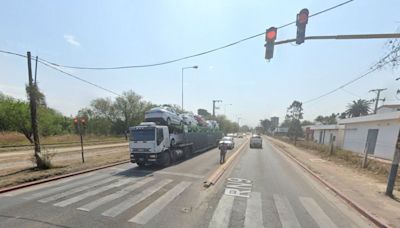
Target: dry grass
x,y
15,177
375,168
17,139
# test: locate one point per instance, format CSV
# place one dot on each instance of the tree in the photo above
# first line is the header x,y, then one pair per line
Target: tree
x,y
266,125
306,122
244,128
204,113
358,108
327,119
294,115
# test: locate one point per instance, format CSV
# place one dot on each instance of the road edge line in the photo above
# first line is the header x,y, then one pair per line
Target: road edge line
x,y
58,177
377,221
214,177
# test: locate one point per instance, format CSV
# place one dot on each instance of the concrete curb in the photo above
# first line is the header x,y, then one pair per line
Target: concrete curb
x,y
214,177
37,182
362,211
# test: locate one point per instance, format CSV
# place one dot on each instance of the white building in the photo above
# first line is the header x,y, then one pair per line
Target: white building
x,y
377,134
323,134
388,108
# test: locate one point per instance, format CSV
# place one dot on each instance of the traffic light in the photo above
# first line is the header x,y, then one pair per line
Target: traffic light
x,y
301,22
83,122
270,37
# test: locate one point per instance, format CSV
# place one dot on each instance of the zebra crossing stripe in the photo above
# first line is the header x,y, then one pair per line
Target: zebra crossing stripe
x,y
130,202
285,212
80,197
254,215
222,213
108,198
153,209
317,213
75,190
65,187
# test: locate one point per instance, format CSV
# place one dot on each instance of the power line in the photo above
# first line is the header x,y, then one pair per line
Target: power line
x,y
190,56
64,72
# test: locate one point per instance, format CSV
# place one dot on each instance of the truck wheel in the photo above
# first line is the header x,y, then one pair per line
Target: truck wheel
x,y
166,159
172,142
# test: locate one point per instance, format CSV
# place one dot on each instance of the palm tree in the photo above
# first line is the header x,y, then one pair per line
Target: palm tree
x,y
358,108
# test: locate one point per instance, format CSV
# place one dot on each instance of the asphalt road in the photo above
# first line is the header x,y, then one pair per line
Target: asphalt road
x,y
263,188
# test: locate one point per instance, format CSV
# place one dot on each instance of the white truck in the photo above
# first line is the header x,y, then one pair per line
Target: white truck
x,y
157,144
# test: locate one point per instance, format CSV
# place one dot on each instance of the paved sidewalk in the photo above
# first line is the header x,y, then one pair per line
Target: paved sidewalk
x,y
364,190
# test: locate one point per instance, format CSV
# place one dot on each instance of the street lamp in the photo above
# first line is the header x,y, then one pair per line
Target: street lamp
x,y
225,108
184,68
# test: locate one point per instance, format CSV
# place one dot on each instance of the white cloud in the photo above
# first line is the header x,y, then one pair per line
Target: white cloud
x,y
71,40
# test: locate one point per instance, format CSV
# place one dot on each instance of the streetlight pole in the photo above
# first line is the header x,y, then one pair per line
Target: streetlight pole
x,y
184,68
225,108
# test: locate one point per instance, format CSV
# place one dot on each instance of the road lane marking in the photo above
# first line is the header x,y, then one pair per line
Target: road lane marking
x,y
65,187
285,212
75,190
254,215
80,197
130,202
153,209
181,174
317,213
108,198
222,213
238,187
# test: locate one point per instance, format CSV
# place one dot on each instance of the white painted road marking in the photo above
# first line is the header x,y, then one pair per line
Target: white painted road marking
x,y
238,187
75,190
130,202
65,187
108,198
181,174
254,215
153,209
285,212
93,192
317,213
222,213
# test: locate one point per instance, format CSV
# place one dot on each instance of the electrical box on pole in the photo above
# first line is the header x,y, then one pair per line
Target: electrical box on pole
x,y
301,22
270,37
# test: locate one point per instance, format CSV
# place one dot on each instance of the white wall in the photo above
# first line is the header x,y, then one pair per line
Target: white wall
x,y
327,137
355,137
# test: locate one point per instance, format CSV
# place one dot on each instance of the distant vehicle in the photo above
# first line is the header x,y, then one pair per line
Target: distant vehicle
x,y
229,141
163,115
188,119
230,135
241,135
256,141
200,120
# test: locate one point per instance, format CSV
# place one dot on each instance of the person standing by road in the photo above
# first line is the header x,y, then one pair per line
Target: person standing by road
x,y
223,148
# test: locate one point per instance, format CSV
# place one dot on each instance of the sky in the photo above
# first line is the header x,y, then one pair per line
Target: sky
x,y
121,32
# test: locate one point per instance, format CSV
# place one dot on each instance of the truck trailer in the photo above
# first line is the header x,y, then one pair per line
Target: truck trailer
x,y
158,144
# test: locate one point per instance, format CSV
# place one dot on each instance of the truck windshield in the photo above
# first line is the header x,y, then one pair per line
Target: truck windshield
x,y
145,134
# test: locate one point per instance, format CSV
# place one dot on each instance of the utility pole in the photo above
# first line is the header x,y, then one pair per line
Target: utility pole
x,y
32,93
378,92
214,101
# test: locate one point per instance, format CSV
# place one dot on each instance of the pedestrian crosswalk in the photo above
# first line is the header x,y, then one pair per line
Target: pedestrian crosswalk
x,y
253,212
113,195
140,199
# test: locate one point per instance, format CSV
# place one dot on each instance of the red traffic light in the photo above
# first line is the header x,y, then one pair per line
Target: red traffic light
x,y
302,17
75,120
270,34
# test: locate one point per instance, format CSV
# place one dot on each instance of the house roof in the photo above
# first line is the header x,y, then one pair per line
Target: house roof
x,y
326,127
390,106
370,118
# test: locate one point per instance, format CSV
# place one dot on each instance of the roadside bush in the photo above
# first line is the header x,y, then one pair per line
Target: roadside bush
x,y
46,156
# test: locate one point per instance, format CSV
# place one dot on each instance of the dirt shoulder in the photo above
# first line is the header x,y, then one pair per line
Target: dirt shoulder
x,y
63,164
363,187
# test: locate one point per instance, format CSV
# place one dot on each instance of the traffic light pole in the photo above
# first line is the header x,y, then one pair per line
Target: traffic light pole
x,y
345,37
83,157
